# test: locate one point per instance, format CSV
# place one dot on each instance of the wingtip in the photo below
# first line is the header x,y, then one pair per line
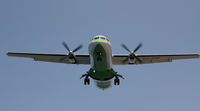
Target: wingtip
x,y
8,53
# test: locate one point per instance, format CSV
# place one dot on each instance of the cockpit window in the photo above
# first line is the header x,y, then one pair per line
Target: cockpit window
x,y
103,38
100,37
96,38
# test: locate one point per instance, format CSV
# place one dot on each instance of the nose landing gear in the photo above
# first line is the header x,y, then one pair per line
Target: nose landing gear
x,y
86,80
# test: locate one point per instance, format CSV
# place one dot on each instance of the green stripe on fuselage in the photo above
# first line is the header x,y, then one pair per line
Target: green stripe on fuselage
x,y
100,60
100,70
100,40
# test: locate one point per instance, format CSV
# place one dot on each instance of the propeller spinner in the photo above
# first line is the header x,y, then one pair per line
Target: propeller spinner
x,y
71,54
132,53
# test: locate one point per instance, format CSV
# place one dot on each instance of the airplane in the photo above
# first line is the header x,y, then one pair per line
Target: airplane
x,y
101,59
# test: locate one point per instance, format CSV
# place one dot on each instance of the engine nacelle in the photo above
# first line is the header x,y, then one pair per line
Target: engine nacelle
x,y
72,61
72,58
131,60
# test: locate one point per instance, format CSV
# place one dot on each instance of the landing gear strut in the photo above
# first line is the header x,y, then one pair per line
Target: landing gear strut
x,y
117,80
86,80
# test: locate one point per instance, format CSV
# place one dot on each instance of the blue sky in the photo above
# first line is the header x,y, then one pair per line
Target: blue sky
x,y
163,26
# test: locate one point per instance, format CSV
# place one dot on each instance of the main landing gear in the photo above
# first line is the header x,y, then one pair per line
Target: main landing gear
x,y
86,80
117,80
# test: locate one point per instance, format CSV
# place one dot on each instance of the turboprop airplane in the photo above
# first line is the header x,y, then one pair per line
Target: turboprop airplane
x,y
101,59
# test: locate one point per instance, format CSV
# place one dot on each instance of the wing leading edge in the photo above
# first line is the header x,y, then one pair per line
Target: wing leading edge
x,y
118,59
81,59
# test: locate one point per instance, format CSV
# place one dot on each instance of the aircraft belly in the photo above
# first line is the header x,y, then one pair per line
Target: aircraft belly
x,y
103,84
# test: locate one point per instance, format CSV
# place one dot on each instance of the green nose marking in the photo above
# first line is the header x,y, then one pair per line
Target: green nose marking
x,y
100,40
100,60
100,70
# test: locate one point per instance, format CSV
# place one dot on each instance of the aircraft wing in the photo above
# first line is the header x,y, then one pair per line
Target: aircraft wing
x,y
81,59
118,59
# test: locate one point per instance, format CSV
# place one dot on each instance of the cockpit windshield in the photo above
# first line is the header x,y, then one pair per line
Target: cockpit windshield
x,y
103,38
96,38
100,37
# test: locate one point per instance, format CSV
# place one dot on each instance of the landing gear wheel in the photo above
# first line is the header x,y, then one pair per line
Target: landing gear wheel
x,y
116,81
86,81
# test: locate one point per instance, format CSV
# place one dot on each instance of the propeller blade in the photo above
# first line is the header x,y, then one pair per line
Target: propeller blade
x,y
124,46
138,47
76,61
66,46
79,47
137,58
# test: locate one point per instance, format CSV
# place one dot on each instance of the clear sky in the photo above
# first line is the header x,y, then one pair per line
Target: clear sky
x,y
163,26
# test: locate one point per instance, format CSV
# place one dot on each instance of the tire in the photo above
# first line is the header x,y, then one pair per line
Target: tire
x,y
118,82
88,81
115,81
85,81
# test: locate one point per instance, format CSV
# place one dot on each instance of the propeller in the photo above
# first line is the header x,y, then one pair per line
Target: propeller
x,y
71,53
132,53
